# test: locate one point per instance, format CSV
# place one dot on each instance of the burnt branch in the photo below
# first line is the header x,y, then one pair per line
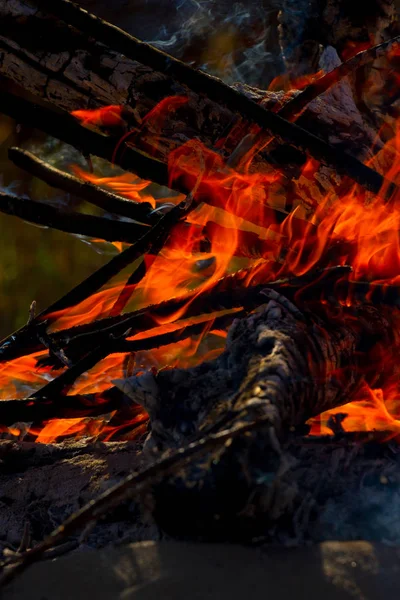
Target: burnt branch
x,y
64,127
46,215
110,345
37,410
97,196
293,108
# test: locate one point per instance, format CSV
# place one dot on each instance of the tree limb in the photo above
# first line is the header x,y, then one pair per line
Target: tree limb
x,y
46,215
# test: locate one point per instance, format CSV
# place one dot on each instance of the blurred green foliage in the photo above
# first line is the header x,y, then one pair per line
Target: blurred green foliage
x,y
35,263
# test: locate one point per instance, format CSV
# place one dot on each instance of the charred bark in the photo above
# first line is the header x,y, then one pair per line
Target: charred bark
x,y
280,368
66,66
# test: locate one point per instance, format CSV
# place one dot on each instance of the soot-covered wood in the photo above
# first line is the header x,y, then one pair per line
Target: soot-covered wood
x,y
280,365
72,70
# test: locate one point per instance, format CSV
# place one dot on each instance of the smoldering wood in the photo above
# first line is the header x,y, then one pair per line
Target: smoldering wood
x,y
127,83
111,344
274,342
231,291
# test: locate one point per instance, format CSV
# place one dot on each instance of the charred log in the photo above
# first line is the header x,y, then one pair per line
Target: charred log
x,y
279,369
77,69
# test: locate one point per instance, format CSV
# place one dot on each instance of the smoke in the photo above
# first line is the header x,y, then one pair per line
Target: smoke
x,y
235,41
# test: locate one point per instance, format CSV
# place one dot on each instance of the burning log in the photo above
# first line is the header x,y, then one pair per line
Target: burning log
x,y
290,367
63,77
310,332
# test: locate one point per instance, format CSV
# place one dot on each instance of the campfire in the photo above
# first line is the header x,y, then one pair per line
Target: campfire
x,y
247,326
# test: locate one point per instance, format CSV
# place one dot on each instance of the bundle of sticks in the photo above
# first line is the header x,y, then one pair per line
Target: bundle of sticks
x,y
291,336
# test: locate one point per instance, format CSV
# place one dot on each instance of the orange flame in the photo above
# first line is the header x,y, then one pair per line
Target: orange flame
x,y
106,116
126,185
19,377
341,226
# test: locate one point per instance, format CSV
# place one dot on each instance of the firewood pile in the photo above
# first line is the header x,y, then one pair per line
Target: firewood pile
x,y
254,294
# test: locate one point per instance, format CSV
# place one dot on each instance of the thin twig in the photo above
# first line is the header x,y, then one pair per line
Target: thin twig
x,y
91,284
110,345
110,202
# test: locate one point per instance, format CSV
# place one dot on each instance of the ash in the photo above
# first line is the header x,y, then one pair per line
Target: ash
x,y
347,490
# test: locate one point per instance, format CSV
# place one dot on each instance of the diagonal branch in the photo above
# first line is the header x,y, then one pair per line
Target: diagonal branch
x,y
292,109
